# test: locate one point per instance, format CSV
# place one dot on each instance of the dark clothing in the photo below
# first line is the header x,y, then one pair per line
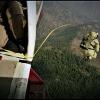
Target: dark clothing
x,y
12,15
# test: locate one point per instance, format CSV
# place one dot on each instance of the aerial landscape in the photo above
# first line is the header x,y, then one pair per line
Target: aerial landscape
x,y
59,61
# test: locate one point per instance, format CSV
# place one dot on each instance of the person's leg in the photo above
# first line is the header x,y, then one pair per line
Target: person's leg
x,y
17,22
5,42
16,19
92,54
3,36
95,55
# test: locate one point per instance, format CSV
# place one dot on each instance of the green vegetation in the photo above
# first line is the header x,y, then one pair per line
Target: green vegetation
x,y
65,74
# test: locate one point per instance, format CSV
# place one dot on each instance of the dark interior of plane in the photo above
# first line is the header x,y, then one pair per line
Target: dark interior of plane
x,y
16,45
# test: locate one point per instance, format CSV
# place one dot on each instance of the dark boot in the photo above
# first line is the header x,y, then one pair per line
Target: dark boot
x,y
14,47
11,46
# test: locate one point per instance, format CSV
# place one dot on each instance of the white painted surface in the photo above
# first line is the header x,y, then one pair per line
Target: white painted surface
x,y
20,80
22,70
39,11
31,28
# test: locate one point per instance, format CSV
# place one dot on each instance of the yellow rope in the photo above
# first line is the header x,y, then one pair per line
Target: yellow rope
x,y
48,37
11,53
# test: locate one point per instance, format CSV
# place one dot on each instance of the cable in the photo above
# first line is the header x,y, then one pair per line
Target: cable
x,y
18,55
48,37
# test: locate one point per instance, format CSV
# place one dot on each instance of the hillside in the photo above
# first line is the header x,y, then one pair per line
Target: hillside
x,y
59,61
74,12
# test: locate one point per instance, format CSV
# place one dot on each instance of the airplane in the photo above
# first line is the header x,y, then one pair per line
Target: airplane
x,y
17,82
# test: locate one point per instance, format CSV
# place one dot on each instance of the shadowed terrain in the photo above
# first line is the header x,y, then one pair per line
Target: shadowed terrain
x,y
59,61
